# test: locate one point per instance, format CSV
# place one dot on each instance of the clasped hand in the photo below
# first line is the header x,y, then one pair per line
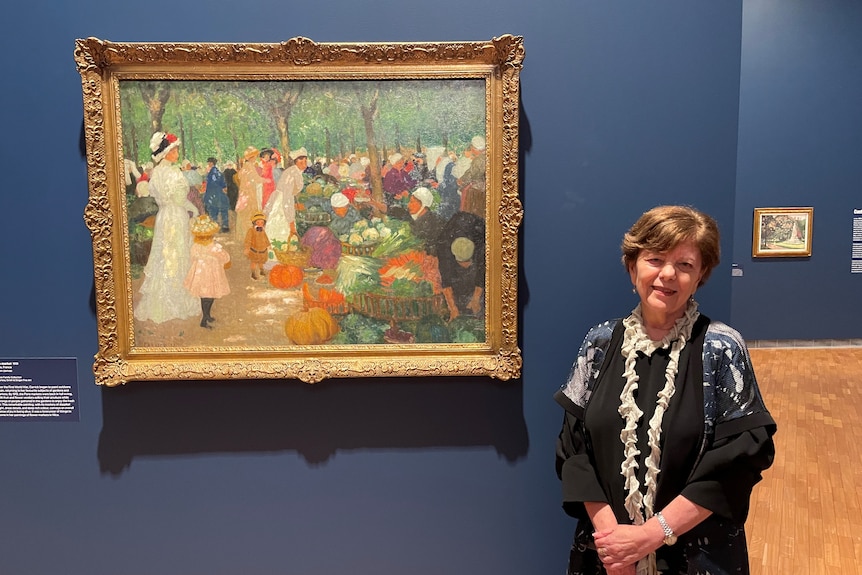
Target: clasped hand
x,y
622,547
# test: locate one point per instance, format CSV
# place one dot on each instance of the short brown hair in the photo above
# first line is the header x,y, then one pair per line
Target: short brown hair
x,y
664,227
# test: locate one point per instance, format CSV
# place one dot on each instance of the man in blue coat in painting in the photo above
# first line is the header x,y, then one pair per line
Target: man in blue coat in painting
x,y
216,201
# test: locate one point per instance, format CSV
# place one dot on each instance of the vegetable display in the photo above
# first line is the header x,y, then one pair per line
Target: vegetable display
x,y
285,276
312,327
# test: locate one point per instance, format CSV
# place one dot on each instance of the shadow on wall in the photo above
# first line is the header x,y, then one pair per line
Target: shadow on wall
x,y
155,419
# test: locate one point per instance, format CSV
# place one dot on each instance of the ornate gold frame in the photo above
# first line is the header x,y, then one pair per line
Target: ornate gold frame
x,y
798,246
102,64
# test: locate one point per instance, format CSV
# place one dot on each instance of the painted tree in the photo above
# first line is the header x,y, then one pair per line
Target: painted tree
x,y
368,109
155,96
280,98
370,117
130,138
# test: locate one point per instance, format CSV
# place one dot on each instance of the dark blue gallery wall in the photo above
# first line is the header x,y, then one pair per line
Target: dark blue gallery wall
x,y
647,107
625,105
800,144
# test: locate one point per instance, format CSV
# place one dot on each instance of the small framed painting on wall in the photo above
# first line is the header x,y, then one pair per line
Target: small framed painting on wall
x,y
782,232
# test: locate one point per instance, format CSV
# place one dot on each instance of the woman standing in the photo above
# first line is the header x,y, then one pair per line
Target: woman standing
x,y
162,295
665,432
250,193
280,209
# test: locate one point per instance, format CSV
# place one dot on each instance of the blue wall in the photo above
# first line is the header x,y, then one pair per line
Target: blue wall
x,y
626,105
800,144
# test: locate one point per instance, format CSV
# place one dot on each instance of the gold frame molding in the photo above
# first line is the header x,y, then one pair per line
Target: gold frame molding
x,y
800,247
103,64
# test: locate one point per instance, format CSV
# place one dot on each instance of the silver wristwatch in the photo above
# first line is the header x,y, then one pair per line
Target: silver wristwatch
x,y
669,535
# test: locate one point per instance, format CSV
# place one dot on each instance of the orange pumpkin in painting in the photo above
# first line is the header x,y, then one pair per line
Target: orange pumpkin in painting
x,y
311,327
285,276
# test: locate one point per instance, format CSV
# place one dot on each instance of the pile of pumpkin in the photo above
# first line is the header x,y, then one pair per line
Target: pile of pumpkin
x,y
311,327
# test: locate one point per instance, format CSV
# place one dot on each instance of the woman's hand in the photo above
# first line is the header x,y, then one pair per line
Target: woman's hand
x,y
475,304
625,545
606,535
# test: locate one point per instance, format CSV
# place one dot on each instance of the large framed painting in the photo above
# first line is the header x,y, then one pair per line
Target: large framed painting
x,y
303,210
782,232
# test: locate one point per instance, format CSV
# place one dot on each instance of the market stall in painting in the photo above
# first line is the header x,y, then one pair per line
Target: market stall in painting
x,y
367,241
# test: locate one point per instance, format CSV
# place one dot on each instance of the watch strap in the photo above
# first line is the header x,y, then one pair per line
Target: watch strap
x,y
669,535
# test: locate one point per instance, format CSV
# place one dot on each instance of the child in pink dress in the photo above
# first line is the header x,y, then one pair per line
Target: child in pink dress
x,y
206,278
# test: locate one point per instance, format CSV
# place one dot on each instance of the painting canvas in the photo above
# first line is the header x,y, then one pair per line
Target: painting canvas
x,y
303,210
782,232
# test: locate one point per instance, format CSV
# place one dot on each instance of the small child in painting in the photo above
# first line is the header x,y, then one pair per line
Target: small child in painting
x,y
257,245
206,278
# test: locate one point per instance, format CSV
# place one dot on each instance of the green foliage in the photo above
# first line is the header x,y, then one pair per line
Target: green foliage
x,y
434,329
359,329
466,329
141,233
403,287
221,118
430,329
365,284
400,240
357,274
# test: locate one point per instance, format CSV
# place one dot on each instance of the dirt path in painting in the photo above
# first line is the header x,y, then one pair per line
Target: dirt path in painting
x,y
252,314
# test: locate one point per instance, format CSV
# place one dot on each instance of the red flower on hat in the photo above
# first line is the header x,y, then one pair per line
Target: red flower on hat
x,y
170,138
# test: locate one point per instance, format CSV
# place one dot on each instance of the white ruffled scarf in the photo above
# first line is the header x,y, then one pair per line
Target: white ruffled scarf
x,y
635,339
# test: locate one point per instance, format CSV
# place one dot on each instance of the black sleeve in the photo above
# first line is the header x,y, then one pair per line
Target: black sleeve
x,y
574,468
723,480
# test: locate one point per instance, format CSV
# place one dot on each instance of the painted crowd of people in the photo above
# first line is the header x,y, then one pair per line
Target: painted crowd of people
x,y
255,204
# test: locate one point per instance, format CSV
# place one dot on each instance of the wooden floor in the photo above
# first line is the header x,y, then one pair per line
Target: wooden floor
x,y
806,514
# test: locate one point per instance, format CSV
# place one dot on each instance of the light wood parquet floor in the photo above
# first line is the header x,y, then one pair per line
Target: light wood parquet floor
x,y
806,514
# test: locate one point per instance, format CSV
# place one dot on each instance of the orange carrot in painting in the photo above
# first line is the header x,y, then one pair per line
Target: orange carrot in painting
x,y
404,266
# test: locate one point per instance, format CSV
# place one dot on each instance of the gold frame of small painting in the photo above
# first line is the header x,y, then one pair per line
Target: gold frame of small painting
x,y
782,232
416,142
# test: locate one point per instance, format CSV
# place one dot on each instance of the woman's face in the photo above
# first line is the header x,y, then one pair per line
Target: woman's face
x,y
173,155
414,206
666,280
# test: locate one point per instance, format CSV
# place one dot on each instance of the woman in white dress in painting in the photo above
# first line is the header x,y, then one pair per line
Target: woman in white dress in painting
x,y
280,210
162,295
